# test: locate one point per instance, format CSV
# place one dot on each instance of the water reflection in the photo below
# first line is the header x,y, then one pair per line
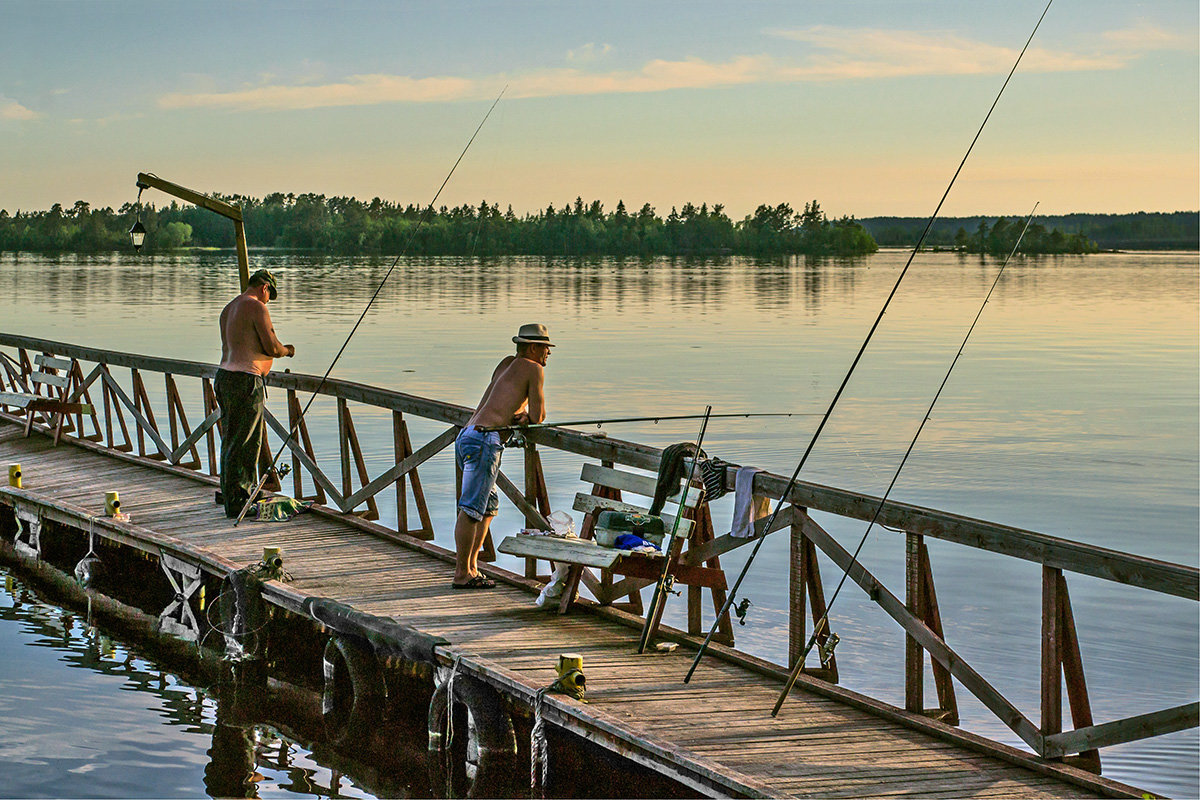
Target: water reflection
x,y
1073,412
86,719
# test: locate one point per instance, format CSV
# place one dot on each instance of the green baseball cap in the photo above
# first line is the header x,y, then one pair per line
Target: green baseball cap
x,y
265,276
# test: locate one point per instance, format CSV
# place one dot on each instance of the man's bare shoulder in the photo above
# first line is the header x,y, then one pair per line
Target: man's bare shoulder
x,y
524,366
249,306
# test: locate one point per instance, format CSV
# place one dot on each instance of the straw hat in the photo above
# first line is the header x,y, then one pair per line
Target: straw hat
x,y
533,333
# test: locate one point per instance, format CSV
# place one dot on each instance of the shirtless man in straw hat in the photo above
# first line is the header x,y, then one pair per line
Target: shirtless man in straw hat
x,y
515,396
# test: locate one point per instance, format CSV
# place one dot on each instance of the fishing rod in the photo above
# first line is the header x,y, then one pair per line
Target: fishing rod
x,y
837,395
656,420
659,599
362,316
818,626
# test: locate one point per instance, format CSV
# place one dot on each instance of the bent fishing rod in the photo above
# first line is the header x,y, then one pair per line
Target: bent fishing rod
x,y
783,497
324,378
656,420
824,620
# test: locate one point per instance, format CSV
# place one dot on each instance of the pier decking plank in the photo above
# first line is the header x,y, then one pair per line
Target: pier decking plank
x,y
818,746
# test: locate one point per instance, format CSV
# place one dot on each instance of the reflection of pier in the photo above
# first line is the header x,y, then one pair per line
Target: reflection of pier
x,y
285,724
714,736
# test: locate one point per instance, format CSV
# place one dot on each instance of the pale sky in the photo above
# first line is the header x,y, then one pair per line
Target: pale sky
x,y
864,105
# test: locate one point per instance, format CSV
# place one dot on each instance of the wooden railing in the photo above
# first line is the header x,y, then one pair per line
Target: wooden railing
x,y
92,371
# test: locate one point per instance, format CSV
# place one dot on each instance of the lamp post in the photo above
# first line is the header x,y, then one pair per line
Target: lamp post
x,y
138,234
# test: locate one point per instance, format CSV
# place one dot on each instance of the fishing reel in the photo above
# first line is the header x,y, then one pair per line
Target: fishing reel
x,y
669,586
741,609
516,440
826,648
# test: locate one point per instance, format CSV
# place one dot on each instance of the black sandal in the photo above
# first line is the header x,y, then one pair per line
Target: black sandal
x,y
477,582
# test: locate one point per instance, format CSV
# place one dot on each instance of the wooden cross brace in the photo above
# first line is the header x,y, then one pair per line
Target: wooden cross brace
x,y
177,618
28,541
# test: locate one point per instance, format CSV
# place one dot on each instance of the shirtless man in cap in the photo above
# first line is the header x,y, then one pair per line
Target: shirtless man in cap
x,y
248,349
515,396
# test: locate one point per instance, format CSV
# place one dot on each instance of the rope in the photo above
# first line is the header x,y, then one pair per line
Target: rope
x,y
448,750
539,750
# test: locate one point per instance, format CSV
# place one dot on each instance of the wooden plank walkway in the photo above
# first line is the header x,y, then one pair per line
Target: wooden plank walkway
x,y
718,725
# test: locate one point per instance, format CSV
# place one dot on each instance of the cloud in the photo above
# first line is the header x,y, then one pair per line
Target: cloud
x,y
12,110
1150,37
357,90
834,54
589,52
849,53
656,76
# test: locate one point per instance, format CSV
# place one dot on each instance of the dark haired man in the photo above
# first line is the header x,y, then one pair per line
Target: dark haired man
x,y
248,348
515,396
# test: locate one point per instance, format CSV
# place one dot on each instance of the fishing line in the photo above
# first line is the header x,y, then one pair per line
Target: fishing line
x,y
819,625
820,427
362,316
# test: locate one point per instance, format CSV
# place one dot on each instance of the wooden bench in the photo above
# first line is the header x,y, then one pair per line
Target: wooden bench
x,y
54,403
636,570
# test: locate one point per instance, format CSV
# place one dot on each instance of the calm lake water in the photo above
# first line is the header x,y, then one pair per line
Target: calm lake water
x,y
1073,412
87,716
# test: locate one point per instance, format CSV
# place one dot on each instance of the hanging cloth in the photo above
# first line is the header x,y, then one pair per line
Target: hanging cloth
x,y
670,472
747,506
712,472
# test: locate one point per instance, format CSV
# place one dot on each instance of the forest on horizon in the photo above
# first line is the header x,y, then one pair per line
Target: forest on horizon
x,y
1142,230
345,225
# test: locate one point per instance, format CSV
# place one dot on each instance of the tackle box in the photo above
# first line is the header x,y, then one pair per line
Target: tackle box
x,y
611,524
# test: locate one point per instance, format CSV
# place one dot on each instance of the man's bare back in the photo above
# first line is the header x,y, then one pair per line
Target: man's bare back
x,y
517,388
248,341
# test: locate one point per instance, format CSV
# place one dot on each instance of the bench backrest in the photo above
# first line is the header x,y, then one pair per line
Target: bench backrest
x,y
43,374
631,483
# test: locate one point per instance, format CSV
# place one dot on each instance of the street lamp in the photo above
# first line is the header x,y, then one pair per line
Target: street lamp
x,y
138,234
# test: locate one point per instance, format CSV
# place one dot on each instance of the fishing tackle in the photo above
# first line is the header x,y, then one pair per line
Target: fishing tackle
x,y
883,500
827,648
412,236
837,395
666,580
742,609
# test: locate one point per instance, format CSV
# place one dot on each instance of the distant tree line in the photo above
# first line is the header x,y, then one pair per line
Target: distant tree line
x,y
999,239
345,225
1178,230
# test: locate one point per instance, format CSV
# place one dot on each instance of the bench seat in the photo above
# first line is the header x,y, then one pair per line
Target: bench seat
x,y
584,552
37,402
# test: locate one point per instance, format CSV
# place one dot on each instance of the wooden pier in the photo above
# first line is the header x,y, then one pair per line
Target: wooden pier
x,y
715,735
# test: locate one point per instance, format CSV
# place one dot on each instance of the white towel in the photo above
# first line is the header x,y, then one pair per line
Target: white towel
x,y
747,506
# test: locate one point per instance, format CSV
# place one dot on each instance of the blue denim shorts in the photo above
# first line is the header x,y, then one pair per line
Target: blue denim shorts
x,y
477,454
